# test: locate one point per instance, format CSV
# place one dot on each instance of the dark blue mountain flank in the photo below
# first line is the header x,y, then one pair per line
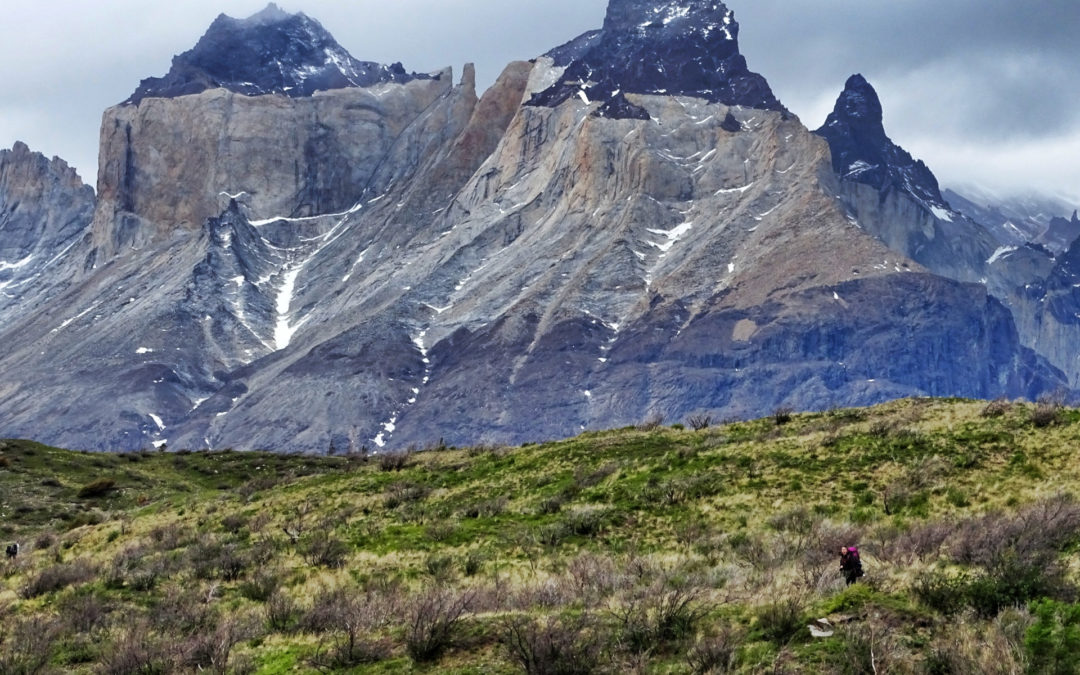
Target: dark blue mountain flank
x,y
862,152
1062,287
270,52
673,47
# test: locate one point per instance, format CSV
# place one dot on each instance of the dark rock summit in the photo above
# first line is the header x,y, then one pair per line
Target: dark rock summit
x,y
862,152
270,52
672,47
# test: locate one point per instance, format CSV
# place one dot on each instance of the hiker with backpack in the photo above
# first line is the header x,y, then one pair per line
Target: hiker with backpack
x,y
850,564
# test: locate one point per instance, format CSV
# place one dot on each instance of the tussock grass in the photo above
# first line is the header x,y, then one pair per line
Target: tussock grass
x,y
652,548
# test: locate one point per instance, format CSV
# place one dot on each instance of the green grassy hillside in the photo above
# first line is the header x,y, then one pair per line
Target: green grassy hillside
x,y
657,549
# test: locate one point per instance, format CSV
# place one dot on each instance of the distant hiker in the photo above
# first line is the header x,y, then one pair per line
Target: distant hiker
x,y
12,551
850,564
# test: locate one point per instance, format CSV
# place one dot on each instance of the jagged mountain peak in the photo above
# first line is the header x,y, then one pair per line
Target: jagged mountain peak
x,y
270,14
682,15
271,51
673,47
862,152
859,102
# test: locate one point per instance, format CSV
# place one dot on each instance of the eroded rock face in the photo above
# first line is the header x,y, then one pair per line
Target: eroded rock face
x,y
45,212
171,163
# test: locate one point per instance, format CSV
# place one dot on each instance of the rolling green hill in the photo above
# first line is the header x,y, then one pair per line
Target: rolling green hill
x,y
649,549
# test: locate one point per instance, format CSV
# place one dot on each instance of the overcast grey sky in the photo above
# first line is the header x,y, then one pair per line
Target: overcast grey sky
x,y
985,91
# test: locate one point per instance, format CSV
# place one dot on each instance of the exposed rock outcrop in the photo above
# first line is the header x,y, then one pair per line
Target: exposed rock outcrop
x,y
171,163
45,212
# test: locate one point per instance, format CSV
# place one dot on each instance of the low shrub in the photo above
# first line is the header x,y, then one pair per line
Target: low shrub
x,y
440,567
281,612
715,653
551,505
394,461
474,562
699,422
432,623
1047,412
651,423
28,644
780,621
261,586
997,408
1053,640
324,551
658,615
58,577
137,650
97,489
213,559
554,646
398,494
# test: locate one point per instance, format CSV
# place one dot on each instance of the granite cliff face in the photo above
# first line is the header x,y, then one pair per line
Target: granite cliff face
x,y
170,163
45,212
402,261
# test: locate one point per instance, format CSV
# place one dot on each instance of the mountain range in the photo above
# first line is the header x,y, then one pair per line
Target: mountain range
x,y
292,249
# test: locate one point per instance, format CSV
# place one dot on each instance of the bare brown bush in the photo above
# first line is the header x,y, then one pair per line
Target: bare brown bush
x,y
211,651
394,461
552,646
715,653
997,408
26,644
1046,526
281,612
699,422
138,650
432,623
651,423
1047,411
918,543
665,612
58,577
